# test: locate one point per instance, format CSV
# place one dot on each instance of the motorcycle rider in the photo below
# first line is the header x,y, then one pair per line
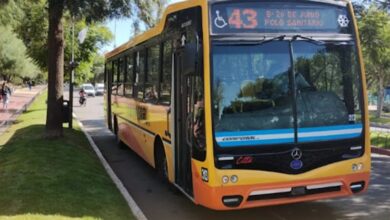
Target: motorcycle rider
x,y
83,99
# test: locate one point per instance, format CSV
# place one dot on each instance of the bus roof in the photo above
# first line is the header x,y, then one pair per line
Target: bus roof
x,y
156,30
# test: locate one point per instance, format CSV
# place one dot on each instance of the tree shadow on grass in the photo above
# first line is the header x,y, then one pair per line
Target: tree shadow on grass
x,y
56,177
34,110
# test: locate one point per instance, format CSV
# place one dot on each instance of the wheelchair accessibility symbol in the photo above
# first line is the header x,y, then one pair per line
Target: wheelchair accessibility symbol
x,y
219,21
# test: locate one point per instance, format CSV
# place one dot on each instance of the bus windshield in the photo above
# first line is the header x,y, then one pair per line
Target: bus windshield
x,y
261,98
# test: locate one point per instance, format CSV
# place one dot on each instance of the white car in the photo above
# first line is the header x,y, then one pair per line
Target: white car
x,y
99,89
88,89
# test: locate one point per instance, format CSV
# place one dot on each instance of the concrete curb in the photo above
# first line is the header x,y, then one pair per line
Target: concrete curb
x,y
377,125
381,151
130,201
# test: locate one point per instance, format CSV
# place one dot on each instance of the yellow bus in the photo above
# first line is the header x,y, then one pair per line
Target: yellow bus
x,y
246,103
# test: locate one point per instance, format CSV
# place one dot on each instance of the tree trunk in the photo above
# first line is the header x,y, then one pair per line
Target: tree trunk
x,y
380,96
56,70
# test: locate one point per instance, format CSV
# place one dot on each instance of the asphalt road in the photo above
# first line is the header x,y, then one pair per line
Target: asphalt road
x,y
159,201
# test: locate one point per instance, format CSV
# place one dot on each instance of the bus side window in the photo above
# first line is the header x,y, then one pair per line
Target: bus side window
x,y
153,70
107,73
140,75
114,75
129,79
121,75
166,78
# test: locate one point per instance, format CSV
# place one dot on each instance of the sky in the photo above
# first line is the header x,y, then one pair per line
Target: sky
x,y
121,29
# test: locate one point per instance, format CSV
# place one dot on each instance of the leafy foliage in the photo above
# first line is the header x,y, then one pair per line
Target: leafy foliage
x,y
13,59
10,13
374,26
33,31
85,53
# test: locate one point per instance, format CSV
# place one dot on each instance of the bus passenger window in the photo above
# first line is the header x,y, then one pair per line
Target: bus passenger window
x,y
121,76
129,80
153,69
114,78
140,76
166,79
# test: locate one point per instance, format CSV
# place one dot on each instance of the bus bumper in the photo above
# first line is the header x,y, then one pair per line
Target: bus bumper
x,y
249,196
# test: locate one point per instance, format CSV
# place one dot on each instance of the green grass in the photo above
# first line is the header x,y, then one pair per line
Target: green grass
x,y
53,179
380,139
382,120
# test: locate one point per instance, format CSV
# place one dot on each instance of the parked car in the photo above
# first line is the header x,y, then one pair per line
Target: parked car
x,y
88,89
99,89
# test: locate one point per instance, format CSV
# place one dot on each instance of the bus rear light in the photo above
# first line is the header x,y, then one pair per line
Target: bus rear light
x,y
357,186
232,201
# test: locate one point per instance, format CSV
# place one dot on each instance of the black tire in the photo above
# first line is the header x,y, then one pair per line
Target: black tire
x,y
161,163
118,141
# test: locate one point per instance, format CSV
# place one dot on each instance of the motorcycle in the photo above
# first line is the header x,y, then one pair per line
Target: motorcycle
x,y
83,101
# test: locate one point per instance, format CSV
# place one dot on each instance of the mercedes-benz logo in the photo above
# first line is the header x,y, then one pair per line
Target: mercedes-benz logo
x,y
296,153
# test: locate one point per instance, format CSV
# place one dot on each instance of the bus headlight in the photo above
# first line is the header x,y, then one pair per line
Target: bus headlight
x,y
225,179
357,167
234,179
205,174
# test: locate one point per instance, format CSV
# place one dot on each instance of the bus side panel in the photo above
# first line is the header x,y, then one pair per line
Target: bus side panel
x,y
139,124
156,123
133,138
124,110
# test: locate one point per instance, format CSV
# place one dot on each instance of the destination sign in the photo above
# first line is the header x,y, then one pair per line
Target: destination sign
x,y
272,17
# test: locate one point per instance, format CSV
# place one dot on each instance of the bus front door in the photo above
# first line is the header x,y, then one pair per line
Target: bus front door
x,y
183,123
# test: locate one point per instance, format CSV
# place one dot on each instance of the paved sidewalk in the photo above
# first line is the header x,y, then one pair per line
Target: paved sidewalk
x,y
19,101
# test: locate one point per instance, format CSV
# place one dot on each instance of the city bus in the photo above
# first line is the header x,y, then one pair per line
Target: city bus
x,y
246,103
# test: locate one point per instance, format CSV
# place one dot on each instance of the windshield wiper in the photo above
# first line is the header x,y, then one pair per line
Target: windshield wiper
x,y
281,37
241,42
318,42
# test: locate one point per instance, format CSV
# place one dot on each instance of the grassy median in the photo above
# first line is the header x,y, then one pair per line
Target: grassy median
x,y
60,179
380,139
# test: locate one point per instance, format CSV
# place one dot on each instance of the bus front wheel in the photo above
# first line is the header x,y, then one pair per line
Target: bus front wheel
x,y
119,142
161,163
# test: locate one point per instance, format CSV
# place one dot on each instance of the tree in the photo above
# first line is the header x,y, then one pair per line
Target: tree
x,y
98,35
91,10
98,69
374,28
13,59
10,13
33,29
